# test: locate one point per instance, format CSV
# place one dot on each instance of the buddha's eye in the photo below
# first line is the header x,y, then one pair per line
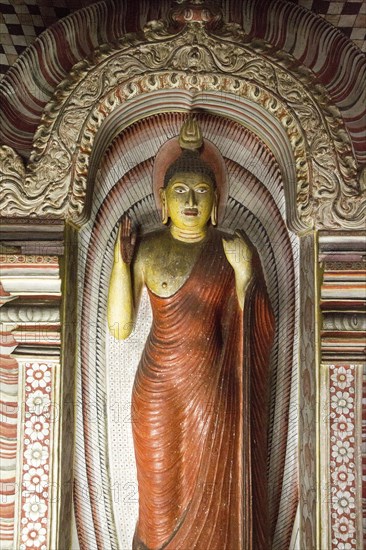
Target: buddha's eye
x,y
201,189
180,189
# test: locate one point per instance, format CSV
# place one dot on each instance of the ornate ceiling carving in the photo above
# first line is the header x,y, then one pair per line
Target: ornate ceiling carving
x,y
334,60
26,19
54,183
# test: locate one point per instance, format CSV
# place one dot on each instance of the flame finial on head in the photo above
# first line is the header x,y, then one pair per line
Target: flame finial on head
x,y
190,141
190,136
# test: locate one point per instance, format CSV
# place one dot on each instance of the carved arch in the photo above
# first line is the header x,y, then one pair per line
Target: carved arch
x,y
28,87
327,191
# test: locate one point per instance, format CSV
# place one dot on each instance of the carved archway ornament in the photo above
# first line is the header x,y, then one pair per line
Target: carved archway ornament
x,y
320,173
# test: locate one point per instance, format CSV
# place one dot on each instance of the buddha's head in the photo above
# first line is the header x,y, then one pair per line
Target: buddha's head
x,y
189,196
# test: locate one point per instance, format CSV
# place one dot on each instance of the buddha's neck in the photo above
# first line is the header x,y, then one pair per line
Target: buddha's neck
x,y
188,236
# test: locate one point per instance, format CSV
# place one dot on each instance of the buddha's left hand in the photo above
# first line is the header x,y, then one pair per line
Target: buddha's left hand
x,y
239,255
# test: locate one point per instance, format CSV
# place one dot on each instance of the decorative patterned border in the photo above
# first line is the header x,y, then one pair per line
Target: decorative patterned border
x,y
37,449
25,259
343,471
31,332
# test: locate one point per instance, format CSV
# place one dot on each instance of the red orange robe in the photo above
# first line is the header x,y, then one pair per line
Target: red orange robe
x,y
199,413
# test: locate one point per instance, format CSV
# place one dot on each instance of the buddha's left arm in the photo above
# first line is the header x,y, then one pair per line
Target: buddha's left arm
x,y
240,255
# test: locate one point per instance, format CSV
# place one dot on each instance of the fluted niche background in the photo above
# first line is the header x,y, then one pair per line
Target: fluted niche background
x,y
106,370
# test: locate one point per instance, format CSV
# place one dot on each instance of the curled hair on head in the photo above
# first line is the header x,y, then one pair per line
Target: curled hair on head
x,y
189,162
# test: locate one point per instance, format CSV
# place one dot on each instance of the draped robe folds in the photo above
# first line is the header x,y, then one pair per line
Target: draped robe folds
x,y
199,413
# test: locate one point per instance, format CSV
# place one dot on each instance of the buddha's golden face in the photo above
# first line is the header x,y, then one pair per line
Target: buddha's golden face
x,y
190,198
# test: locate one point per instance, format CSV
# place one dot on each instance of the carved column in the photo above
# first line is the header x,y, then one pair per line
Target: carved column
x,y
31,324
343,330
309,384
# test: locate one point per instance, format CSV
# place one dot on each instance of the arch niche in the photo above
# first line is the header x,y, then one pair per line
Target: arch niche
x,y
292,172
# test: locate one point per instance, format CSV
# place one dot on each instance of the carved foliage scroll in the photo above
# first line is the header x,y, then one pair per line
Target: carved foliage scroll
x,y
195,59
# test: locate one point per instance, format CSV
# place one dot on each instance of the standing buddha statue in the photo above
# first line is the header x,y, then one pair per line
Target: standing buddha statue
x,y
199,400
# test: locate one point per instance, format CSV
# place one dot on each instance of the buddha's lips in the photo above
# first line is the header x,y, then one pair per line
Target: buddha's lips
x,y
190,211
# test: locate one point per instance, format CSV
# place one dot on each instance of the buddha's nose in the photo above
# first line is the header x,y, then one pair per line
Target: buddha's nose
x,y
191,198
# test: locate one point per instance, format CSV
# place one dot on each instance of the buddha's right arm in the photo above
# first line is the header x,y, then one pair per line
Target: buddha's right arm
x,y
120,308
125,284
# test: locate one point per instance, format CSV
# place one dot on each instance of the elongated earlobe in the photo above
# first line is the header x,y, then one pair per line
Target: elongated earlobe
x,y
214,211
164,208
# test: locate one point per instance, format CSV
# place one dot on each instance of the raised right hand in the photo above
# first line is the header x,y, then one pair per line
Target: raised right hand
x,y
126,239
